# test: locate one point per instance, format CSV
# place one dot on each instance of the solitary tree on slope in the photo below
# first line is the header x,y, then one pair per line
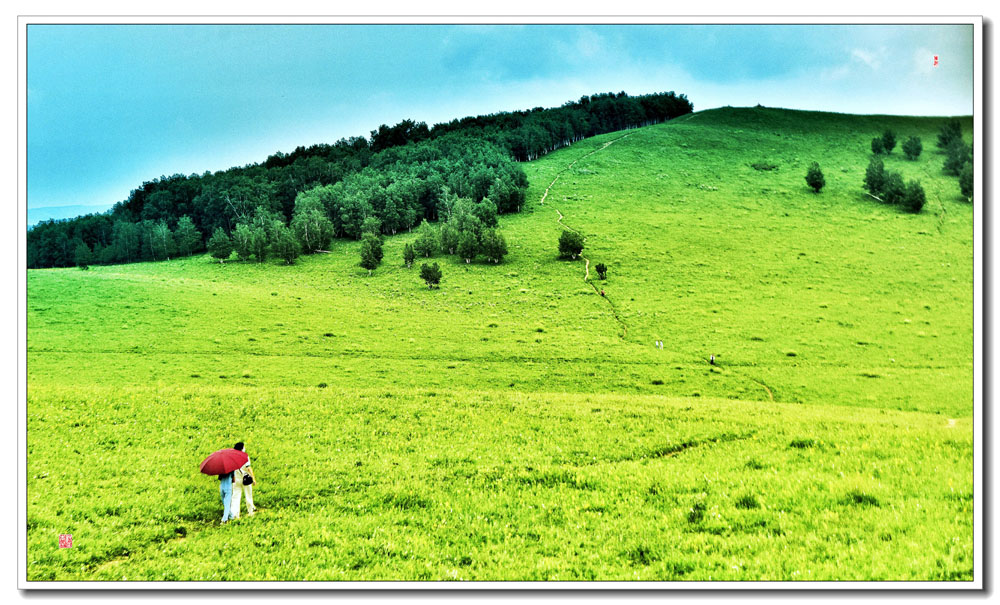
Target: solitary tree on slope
x,y
371,251
570,244
814,177
912,148
431,274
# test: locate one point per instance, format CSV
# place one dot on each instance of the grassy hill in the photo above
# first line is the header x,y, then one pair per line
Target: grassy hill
x,y
517,425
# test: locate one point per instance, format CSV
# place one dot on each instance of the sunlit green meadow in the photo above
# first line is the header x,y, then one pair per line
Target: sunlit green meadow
x,y
515,424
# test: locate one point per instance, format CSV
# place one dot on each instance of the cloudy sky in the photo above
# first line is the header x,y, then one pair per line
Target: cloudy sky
x,y
112,106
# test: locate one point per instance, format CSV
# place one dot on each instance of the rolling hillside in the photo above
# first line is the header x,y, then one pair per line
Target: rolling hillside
x,y
516,424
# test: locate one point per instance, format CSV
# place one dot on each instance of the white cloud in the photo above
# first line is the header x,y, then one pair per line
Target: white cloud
x,y
869,58
836,73
858,57
589,44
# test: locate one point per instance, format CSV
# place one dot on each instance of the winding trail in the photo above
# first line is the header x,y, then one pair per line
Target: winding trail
x,y
586,261
571,164
770,395
586,266
546,194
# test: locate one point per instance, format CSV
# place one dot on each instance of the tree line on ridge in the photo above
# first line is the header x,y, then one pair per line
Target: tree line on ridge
x,y
397,178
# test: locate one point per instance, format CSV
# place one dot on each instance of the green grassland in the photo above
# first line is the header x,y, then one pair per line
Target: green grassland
x,y
516,425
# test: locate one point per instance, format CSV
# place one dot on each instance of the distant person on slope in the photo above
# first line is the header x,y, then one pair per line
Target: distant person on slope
x,y
711,359
243,480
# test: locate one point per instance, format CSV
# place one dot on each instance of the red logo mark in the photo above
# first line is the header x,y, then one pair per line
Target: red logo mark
x,y
935,60
65,540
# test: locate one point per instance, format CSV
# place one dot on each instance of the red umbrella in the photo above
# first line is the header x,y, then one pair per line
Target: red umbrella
x,y
223,461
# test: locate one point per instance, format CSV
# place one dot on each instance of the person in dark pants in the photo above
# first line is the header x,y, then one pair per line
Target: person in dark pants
x,y
711,359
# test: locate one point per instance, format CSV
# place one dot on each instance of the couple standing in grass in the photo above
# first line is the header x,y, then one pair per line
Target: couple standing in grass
x,y
232,486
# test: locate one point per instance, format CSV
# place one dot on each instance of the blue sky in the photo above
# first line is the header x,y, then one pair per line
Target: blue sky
x,y
112,106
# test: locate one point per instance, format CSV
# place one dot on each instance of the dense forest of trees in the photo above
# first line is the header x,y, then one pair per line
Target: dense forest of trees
x,y
389,182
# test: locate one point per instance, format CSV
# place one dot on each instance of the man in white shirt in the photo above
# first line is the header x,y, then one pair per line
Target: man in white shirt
x,y
239,488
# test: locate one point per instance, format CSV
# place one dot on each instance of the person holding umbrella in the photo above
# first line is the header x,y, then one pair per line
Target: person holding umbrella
x,y
243,482
223,463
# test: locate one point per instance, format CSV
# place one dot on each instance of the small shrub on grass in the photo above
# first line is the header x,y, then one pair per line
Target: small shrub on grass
x,y
893,190
408,255
888,141
814,177
966,181
431,274
912,148
859,498
875,176
913,197
959,153
763,166
877,147
570,244
371,251
747,502
802,443
602,270
949,133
